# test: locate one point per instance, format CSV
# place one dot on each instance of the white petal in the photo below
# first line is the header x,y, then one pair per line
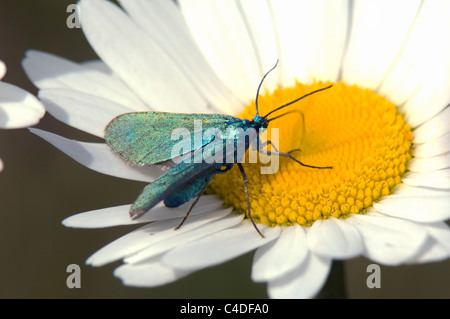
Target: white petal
x,y
163,22
312,37
416,208
434,147
419,79
427,164
407,190
222,36
98,157
48,71
431,252
2,69
1,165
404,190
120,215
149,235
98,65
435,179
18,108
184,238
378,31
151,274
105,217
219,247
433,128
388,241
440,232
437,247
280,256
81,110
264,38
137,59
303,282
334,238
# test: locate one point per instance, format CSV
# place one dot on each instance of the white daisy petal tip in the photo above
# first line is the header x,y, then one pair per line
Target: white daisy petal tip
x,y
280,256
432,251
106,217
303,282
2,69
119,215
389,241
334,238
148,275
18,108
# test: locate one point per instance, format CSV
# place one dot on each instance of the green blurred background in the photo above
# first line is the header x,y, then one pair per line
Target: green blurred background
x,y
40,186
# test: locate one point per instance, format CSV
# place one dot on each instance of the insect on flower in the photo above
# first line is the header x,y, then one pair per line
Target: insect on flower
x,y
145,138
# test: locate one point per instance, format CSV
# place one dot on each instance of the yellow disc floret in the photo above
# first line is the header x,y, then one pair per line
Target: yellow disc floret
x,y
357,132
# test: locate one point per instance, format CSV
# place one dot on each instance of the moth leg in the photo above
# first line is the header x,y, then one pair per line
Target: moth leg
x,y
288,155
192,207
221,171
294,150
266,143
244,177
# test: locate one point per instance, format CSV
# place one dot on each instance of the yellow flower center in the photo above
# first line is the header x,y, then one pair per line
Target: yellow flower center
x,y
357,132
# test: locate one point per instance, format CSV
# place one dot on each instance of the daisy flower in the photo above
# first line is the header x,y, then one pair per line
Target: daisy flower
x,y
383,127
18,108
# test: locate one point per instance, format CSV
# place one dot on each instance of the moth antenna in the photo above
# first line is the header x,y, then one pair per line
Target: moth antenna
x,y
260,85
296,100
281,115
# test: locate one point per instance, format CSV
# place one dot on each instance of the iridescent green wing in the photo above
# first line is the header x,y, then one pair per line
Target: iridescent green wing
x,y
145,138
176,186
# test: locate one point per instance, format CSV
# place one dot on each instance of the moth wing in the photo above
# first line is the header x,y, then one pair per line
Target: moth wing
x,y
174,186
145,138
